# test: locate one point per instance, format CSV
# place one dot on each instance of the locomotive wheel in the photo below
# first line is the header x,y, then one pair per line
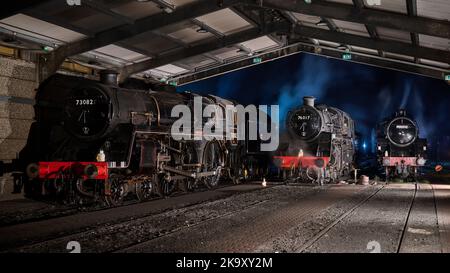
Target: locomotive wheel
x,y
236,180
163,186
284,175
237,175
387,174
212,181
236,168
212,161
144,190
292,175
184,185
168,187
312,174
346,173
118,191
58,186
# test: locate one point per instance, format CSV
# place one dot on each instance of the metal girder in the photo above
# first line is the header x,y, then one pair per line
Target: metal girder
x,y
370,29
214,58
411,6
246,16
184,66
291,18
98,6
135,49
170,38
385,45
308,48
205,47
330,24
52,61
233,66
372,17
207,28
324,9
163,4
65,24
304,31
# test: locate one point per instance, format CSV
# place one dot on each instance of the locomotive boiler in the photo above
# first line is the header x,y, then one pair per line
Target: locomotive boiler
x,y
93,140
318,146
400,150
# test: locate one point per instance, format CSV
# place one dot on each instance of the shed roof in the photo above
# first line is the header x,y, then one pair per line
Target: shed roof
x,y
180,41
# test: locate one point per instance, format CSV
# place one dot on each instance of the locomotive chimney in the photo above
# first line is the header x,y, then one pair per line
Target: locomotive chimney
x,y
308,100
108,77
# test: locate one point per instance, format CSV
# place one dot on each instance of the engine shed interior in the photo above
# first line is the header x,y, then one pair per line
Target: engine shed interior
x,y
91,92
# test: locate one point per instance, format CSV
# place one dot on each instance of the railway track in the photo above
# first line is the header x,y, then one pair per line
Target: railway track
x,y
246,230
133,234
153,225
38,211
52,210
406,225
49,210
253,220
325,230
232,242
53,243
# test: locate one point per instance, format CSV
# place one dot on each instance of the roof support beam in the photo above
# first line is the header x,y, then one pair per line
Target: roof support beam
x,y
371,17
370,29
170,38
184,66
330,24
53,60
251,19
385,45
411,6
212,57
204,26
301,47
304,31
164,5
202,48
135,49
98,6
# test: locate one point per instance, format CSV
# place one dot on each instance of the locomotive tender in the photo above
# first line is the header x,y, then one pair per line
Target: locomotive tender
x,y
400,150
97,141
319,145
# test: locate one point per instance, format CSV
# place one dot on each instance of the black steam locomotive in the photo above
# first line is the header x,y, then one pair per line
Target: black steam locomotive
x,y
319,144
400,150
98,141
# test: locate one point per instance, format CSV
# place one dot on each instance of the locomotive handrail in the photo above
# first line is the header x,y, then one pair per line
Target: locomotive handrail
x,y
157,109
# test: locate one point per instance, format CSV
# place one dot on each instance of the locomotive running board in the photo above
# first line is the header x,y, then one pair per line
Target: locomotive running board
x,y
189,174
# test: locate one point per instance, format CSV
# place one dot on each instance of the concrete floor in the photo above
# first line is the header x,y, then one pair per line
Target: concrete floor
x,y
249,218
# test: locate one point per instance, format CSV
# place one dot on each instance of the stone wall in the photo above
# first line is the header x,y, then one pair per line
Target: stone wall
x,y
17,92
